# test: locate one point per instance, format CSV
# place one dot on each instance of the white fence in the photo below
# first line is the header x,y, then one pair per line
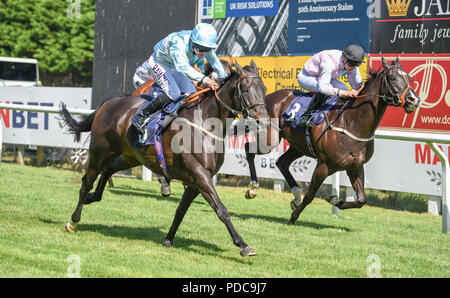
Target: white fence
x,y
303,166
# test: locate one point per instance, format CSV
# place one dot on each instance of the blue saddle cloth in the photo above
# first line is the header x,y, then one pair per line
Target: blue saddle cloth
x,y
299,105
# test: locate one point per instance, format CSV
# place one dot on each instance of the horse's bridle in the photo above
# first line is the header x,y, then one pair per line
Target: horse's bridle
x,y
244,106
390,100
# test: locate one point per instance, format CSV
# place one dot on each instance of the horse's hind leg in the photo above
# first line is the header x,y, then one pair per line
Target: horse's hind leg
x,y
190,193
86,185
119,164
357,181
321,172
95,165
283,164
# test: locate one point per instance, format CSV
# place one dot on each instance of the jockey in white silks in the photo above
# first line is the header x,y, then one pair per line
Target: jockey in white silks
x,y
171,66
321,71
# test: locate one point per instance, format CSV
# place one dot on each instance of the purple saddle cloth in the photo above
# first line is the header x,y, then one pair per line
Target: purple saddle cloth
x,y
299,105
154,126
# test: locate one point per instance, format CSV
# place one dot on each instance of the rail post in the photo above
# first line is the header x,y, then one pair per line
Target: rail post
x,y
445,187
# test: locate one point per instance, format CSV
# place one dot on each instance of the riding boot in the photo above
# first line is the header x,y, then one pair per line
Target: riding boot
x,y
139,119
305,119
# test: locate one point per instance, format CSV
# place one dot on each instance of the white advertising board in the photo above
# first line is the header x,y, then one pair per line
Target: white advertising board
x,y
403,166
38,128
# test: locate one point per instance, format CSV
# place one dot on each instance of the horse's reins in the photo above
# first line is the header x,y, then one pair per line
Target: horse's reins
x,y
245,107
384,97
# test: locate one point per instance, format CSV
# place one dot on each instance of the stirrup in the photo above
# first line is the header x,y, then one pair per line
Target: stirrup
x,y
138,123
305,121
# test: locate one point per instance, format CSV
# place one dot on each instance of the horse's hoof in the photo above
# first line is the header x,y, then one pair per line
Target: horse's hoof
x,y
165,191
69,228
254,184
168,243
247,251
333,200
250,194
290,223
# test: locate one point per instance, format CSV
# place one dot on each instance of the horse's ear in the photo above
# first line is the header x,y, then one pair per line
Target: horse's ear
x,y
384,62
230,61
239,68
226,66
253,66
398,61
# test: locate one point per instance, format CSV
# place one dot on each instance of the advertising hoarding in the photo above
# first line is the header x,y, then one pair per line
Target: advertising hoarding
x,y
315,26
419,26
430,80
41,129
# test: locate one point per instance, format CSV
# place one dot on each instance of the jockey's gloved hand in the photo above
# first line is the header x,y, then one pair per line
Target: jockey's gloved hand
x,y
348,93
212,84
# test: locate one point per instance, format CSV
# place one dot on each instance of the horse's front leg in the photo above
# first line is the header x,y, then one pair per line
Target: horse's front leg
x,y
357,181
283,164
321,172
206,188
254,185
190,193
266,141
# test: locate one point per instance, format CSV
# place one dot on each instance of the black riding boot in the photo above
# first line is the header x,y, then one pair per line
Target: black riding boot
x,y
305,119
139,119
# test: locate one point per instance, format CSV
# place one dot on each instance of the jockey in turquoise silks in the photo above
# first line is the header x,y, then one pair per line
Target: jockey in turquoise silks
x,y
171,66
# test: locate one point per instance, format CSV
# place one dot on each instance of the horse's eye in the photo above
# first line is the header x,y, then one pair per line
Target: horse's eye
x,y
391,78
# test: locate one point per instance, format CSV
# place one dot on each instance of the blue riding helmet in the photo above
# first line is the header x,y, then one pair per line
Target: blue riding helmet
x,y
205,36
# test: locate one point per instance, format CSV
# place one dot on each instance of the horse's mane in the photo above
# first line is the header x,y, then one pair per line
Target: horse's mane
x,y
371,76
228,69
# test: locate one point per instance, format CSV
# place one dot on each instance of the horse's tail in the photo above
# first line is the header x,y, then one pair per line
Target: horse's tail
x,y
76,127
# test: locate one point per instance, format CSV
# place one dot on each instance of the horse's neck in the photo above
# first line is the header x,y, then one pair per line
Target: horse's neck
x,y
366,112
210,108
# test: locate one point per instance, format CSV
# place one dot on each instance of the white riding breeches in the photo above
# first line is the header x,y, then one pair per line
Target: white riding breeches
x,y
311,83
172,82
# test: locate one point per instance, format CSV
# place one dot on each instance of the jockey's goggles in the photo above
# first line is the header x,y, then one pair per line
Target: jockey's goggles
x,y
200,48
353,63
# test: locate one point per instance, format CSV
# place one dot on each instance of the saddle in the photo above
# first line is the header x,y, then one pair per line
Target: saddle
x,y
149,91
299,105
157,122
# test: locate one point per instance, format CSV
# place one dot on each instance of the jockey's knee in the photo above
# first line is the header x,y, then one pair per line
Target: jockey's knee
x,y
174,94
137,81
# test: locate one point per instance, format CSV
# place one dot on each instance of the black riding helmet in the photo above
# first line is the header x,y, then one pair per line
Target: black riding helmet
x,y
354,55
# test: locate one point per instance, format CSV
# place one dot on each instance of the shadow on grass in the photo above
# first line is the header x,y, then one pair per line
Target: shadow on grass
x,y
150,194
283,221
152,234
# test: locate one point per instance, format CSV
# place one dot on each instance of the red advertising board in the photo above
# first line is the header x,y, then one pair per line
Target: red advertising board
x,y
430,74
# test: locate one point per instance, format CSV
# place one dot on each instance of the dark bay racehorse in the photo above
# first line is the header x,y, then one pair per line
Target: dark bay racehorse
x,y
111,148
346,145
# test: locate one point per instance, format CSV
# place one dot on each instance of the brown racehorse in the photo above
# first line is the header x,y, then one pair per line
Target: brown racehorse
x,y
345,145
112,134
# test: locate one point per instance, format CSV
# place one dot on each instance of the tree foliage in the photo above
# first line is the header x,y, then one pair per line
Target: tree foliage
x,y
59,33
